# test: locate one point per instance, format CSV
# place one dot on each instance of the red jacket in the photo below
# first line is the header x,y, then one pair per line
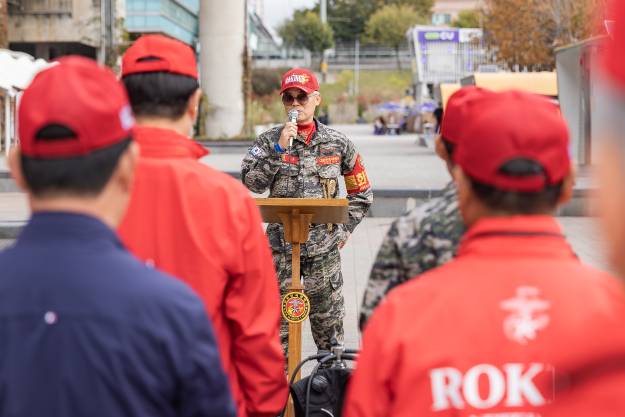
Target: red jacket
x,y
201,225
500,330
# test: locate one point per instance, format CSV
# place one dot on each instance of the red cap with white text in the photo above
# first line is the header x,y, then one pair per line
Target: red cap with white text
x,y
300,78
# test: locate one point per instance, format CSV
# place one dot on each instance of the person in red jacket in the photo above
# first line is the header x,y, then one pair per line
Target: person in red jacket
x,y
599,391
201,225
502,329
611,139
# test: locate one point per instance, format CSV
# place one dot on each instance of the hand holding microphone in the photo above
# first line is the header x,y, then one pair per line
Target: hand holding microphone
x,y
289,132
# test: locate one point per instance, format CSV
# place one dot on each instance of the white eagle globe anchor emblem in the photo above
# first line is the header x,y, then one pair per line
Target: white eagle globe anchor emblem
x,y
527,316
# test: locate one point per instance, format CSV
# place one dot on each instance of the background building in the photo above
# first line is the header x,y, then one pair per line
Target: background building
x,y
445,11
51,28
175,18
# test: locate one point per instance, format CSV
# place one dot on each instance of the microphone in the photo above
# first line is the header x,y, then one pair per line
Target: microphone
x,y
292,118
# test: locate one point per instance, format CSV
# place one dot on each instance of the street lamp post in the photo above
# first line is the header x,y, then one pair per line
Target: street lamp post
x,y
323,12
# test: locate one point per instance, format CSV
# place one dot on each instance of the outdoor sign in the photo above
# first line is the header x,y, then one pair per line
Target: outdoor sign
x,y
446,54
447,35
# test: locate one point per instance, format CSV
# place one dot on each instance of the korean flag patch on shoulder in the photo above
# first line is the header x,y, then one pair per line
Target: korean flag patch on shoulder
x,y
256,152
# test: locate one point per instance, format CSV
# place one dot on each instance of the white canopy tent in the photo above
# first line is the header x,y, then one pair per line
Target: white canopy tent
x,y
17,70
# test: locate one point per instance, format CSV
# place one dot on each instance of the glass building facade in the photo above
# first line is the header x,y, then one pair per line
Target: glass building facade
x,y
176,18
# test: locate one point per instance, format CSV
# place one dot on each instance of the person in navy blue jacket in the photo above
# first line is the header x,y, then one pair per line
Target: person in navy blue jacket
x,y
85,328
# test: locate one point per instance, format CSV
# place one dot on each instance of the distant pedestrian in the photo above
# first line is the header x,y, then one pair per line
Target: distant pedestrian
x,y
428,235
310,168
200,224
501,329
379,126
86,329
438,116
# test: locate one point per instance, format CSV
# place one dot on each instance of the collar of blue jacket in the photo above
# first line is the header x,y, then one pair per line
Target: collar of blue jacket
x,y
62,226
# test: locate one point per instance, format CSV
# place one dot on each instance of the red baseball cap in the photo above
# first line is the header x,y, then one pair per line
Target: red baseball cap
x,y
81,96
453,117
300,78
158,53
501,127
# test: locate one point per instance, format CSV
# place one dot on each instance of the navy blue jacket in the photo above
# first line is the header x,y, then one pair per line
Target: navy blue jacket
x,y
87,330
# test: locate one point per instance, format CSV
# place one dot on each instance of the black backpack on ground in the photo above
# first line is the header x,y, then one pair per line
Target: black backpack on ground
x,y
327,393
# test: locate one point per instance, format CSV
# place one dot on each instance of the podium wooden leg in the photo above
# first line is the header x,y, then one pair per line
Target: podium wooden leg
x,y
296,232
295,329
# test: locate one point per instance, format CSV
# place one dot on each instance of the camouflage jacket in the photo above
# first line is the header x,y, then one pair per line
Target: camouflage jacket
x,y
422,239
309,171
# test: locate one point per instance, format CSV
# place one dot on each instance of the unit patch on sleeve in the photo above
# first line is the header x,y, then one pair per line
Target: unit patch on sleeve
x,y
357,181
256,152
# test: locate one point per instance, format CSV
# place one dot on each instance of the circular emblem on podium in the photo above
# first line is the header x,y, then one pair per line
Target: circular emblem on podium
x,y
295,307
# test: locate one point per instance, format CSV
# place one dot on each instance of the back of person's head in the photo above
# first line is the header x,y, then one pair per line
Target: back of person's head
x,y
75,124
513,155
161,77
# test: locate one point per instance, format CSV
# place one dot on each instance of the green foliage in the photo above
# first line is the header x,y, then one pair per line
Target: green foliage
x,y
267,110
266,81
375,87
468,19
348,18
422,7
388,26
306,31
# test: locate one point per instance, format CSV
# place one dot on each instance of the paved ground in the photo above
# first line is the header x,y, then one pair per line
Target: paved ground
x,y
13,207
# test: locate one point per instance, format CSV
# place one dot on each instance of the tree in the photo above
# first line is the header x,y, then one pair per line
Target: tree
x,y
348,18
525,32
422,7
388,26
306,31
468,19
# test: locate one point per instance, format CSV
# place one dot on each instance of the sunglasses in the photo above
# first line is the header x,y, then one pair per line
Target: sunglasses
x,y
302,98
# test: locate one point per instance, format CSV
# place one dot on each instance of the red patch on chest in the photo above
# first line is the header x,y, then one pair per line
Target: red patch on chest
x,y
328,160
290,159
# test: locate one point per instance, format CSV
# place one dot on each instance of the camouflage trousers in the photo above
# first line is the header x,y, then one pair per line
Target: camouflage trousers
x,y
323,284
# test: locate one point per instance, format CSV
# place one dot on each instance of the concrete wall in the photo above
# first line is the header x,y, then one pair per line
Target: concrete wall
x,y
82,25
222,41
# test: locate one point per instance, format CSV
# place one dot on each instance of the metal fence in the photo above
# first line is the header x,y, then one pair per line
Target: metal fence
x,y
41,7
370,57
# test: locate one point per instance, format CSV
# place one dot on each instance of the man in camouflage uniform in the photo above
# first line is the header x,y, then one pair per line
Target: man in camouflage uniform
x,y
310,168
427,236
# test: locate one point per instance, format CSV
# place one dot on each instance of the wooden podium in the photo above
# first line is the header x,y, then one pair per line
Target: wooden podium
x,y
297,214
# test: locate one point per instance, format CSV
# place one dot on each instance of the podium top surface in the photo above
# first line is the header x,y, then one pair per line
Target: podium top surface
x,y
324,210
